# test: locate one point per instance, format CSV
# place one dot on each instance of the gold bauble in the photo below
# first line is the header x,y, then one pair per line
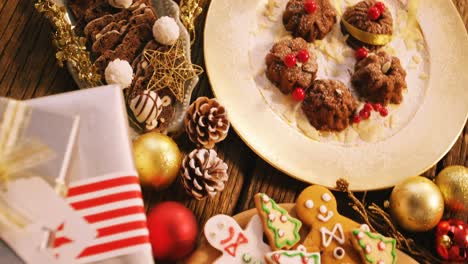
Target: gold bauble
x,y
416,204
453,183
157,159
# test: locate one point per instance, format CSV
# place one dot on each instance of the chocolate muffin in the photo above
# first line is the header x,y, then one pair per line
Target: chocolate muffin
x,y
309,19
380,78
329,106
358,16
300,74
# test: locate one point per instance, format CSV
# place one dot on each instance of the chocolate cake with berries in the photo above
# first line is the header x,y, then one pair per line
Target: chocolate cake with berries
x,y
309,19
290,65
368,16
329,105
380,78
121,31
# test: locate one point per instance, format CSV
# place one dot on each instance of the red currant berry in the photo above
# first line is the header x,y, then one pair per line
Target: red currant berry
x,y
383,112
373,13
310,6
361,53
380,6
356,119
290,60
298,94
367,107
303,56
364,114
377,107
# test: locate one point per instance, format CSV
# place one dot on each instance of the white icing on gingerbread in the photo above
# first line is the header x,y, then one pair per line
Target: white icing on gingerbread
x,y
293,257
281,233
337,234
339,253
235,243
380,262
283,218
323,209
360,235
381,246
326,197
325,218
265,198
309,204
365,228
271,217
368,249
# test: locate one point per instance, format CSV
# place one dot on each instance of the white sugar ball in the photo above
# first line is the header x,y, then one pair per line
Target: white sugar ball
x,y
119,72
120,3
166,30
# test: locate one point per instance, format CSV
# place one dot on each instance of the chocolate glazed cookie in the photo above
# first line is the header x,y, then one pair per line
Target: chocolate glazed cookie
x,y
300,73
329,106
358,16
309,21
380,78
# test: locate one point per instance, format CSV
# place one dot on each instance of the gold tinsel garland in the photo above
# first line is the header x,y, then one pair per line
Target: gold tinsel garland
x,y
380,221
69,46
189,11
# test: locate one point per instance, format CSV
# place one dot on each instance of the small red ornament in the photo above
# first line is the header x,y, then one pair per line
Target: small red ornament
x,y
310,6
361,53
373,13
377,107
303,56
368,107
380,6
383,112
290,60
452,240
364,114
357,119
173,231
298,94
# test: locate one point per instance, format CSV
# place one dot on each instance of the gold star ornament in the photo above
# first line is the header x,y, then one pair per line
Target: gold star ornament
x,y
171,69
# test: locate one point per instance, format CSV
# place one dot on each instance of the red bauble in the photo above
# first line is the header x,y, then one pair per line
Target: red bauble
x,y
173,231
289,60
380,6
303,56
373,13
361,53
298,94
452,240
310,6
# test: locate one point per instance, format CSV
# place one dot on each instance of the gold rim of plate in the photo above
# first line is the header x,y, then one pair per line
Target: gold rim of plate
x,y
413,150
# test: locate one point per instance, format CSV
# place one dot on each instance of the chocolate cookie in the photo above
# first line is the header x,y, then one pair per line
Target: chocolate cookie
x,y
309,24
285,77
380,78
329,106
358,17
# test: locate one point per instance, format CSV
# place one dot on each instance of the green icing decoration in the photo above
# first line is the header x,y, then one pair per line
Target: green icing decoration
x,y
314,256
378,237
296,222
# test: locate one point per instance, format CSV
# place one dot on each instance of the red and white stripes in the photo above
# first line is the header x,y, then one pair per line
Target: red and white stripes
x,y
113,205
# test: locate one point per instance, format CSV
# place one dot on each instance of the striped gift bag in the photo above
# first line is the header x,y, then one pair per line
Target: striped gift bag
x,y
113,205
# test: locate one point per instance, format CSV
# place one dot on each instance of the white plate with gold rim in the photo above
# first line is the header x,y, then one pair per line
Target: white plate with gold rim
x,y
429,120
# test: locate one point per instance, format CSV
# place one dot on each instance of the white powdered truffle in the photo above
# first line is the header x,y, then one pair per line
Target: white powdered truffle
x,y
166,30
120,3
119,72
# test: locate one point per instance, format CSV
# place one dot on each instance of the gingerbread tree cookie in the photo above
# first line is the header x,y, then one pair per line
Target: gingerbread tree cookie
x,y
374,248
329,231
280,228
299,256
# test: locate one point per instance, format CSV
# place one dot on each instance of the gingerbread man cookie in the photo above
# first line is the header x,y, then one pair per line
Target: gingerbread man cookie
x,y
281,229
299,256
316,207
237,246
374,248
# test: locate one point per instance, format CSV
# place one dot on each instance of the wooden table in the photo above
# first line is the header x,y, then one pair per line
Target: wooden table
x,y
28,69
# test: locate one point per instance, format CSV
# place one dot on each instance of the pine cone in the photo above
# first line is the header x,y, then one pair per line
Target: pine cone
x,y
206,122
203,173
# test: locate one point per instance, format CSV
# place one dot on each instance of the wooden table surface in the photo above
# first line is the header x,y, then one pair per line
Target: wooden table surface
x,y
28,69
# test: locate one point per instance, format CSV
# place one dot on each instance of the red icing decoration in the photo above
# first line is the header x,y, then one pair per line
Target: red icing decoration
x,y
298,94
381,245
229,238
276,257
232,248
305,260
